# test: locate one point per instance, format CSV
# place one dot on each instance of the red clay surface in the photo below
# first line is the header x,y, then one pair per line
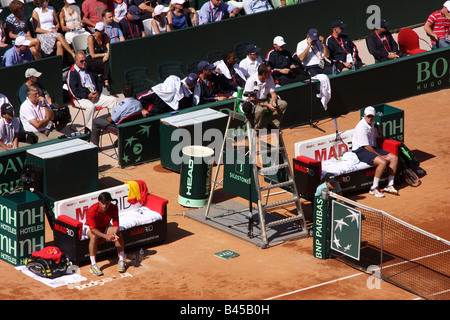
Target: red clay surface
x,y
185,267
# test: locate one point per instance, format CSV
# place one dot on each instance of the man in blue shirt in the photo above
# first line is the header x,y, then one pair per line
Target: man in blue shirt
x,y
112,28
255,6
216,10
18,54
127,107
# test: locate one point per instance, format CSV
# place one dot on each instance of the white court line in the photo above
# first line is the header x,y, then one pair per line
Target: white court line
x,y
315,286
357,274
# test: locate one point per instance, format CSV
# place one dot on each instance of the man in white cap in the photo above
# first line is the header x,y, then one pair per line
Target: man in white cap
x,y
18,54
285,69
32,76
364,146
437,26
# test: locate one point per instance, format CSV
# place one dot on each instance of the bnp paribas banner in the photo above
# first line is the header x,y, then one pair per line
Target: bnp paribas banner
x,y
346,230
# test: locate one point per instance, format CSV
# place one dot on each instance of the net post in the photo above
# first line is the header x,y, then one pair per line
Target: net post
x,y
321,225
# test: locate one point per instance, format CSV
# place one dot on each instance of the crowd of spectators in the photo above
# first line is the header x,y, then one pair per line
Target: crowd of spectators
x,y
111,21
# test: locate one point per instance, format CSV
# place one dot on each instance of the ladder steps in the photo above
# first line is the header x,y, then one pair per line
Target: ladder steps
x,y
278,203
282,221
271,149
278,185
273,169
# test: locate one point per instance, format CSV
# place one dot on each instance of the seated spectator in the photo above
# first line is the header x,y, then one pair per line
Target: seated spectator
x,y
46,25
70,21
251,63
260,89
131,25
92,12
171,95
9,129
285,69
231,76
18,54
33,76
255,6
216,10
36,116
382,45
97,53
178,13
112,28
313,54
146,7
208,81
343,52
16,26
159,22
364,146
128,106
85,87
118,8
437,27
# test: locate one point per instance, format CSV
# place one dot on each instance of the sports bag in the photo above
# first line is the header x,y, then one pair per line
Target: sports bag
x,y
407,158
48,262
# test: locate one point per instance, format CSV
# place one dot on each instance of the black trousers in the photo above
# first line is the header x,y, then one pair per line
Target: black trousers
x,y
99,67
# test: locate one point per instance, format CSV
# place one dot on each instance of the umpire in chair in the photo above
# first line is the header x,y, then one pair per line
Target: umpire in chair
x,y
260,90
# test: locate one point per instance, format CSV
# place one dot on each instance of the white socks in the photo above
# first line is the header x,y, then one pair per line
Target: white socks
x,y
391,181
375,183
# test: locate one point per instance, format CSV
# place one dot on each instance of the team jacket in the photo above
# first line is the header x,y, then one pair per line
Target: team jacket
x,y
75,85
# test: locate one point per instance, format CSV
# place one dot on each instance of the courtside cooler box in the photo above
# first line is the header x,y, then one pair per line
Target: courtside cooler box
x,y
391,120
22,220
187,129
307,173
69,168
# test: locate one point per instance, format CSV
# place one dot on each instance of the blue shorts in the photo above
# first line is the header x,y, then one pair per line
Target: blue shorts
x,y
367,156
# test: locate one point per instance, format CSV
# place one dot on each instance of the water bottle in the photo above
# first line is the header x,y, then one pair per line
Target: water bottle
x,y
133,259
334,68
141,255
74,134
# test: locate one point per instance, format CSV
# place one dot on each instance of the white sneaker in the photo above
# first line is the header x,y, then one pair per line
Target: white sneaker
x,y
390,189
376,192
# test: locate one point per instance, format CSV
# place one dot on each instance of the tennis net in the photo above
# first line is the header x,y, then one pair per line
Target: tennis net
x,y
405,255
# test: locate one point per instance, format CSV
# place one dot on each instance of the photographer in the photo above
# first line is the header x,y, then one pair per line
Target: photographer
x,y
260,90
36,116
61,114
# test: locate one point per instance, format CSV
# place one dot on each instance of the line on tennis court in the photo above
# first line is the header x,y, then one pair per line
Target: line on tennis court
x,y
354,275
316,286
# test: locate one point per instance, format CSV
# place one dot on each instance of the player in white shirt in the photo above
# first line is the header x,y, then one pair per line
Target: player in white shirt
x,y
363,144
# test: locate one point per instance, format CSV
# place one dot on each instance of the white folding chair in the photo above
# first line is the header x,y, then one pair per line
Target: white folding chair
x,y
80,42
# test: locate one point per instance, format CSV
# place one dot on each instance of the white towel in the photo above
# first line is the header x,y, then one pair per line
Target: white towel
x,y
226,72
171,91
325,89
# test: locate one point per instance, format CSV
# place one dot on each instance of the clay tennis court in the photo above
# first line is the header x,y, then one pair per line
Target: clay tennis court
x,y
185,267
